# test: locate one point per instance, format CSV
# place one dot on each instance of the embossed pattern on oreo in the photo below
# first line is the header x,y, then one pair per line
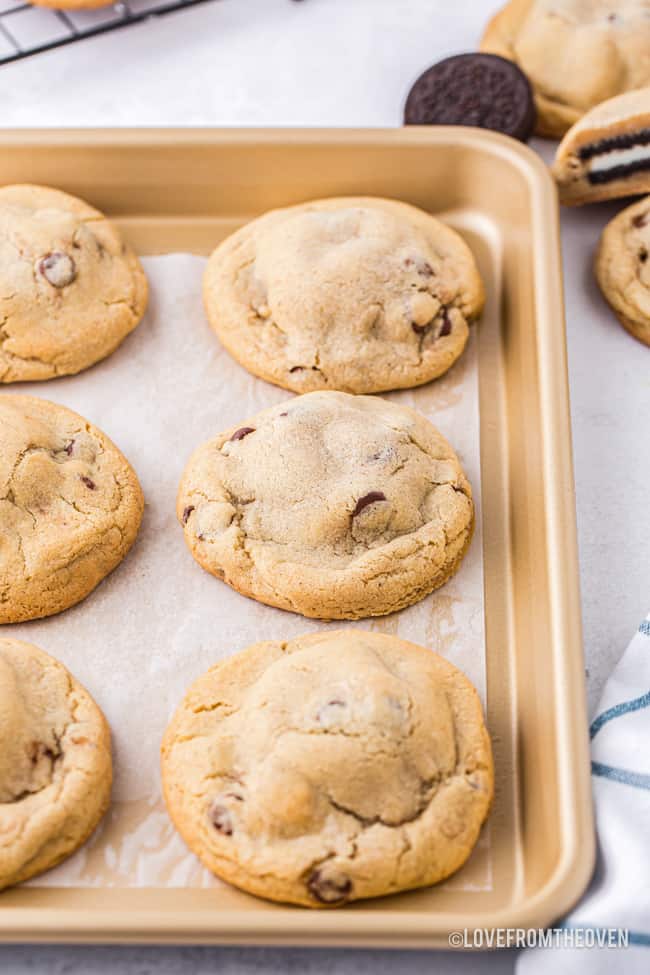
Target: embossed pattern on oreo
x,y
481,90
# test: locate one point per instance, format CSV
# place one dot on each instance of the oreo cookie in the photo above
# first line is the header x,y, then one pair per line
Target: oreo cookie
x,y
483,90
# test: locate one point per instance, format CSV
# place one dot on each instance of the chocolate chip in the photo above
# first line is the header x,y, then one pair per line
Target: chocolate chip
x,y
643,255
242,432
68,448
367,499
421,329
385,454
332,889
187,512
39,750
284,414
640,220
296,369
89,484
220,818
421,266
446,325
57,268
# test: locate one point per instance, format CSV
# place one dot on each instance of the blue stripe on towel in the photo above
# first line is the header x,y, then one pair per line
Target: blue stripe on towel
x,y
625,707
636,779
645,627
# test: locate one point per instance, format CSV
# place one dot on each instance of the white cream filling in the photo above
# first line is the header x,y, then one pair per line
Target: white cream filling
x,y
617,157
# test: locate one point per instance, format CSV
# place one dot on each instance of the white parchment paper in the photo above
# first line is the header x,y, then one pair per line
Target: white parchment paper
x,y
159,621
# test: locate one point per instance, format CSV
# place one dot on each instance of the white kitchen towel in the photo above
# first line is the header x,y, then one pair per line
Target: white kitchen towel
x,y
619,893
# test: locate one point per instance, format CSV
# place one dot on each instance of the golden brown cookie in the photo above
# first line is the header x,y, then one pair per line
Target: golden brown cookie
x,y
70,289
55,762
338,766
330,505
70,507
623,268
607,153
576,53
355,294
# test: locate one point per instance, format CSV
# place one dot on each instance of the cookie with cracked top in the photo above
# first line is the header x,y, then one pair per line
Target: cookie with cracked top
x,y
575,54
55,762
330,505
337,766
622,268
356,294
70,289
607,153
482,90
70,507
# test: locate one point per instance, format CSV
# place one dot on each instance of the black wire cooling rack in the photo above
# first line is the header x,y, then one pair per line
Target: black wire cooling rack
x,y
27,30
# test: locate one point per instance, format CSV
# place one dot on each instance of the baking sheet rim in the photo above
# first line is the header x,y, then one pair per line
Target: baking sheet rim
x,y
357,926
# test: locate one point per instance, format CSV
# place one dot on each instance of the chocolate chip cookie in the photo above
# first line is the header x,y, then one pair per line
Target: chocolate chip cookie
x,y
70,507
623,268
353,294
330,505
55,762
607,153
337,766
70,289
575,54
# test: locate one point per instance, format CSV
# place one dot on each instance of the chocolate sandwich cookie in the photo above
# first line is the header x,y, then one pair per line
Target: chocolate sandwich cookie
x,y
482,90
607,153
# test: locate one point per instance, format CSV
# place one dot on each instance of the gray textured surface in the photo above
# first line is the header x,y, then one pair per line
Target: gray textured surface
x,y
242,961
332,62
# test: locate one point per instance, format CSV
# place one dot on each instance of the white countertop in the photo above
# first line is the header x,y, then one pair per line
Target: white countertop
x,y
350,63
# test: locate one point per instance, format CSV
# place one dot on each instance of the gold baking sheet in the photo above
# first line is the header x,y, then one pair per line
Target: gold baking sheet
x,y
182,190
